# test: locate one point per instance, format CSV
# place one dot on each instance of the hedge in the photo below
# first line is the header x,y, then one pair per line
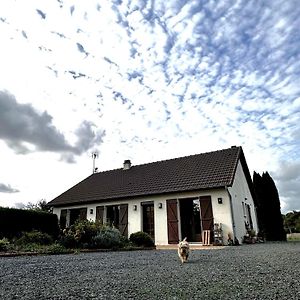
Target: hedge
x,y
15,221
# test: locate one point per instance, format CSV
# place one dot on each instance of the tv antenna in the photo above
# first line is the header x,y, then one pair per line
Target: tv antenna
x,y
95,155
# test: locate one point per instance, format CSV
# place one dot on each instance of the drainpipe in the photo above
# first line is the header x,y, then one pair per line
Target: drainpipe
x,y
231,213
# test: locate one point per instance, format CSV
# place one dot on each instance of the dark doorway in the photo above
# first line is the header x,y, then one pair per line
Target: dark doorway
x,y
113,215
77,214
191,227
148,218
63,219
117,216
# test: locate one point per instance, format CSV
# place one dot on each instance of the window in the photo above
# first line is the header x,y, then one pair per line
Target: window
x,y
148,218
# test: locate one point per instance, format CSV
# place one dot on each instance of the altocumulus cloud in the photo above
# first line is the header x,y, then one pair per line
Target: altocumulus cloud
x,y
25,130
230,67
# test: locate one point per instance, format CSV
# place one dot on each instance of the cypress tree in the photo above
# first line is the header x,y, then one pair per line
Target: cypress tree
x,y
268,207
258,190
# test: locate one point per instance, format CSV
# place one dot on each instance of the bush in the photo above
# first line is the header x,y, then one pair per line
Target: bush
x,y
4,244
15,221
68,241
56,249
80,234
141,238
108,238
34,237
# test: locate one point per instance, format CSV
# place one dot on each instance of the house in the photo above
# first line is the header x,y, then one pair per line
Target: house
x,y
170,199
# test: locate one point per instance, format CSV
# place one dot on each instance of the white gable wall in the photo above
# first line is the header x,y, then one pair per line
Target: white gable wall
x,y
240,193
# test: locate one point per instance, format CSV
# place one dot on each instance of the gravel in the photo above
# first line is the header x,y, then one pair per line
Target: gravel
x,y
260,271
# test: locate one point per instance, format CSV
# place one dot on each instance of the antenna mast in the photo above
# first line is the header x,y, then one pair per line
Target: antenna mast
x,y
94,156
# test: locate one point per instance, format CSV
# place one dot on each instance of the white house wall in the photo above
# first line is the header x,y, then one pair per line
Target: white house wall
x,y
221,212
240,193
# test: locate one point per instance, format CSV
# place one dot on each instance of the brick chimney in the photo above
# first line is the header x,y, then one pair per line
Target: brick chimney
x,y
127,164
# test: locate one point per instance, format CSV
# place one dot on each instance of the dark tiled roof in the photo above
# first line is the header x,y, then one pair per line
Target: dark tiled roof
x,y
201,171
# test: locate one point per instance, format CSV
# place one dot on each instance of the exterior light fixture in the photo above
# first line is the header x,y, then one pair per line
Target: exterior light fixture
x,y
160,205
220,200
134,207
91,211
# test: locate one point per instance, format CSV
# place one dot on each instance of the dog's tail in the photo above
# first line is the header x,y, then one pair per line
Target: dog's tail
x,y
184,240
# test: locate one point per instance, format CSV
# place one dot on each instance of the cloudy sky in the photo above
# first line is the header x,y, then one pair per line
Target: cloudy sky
x,y
145,80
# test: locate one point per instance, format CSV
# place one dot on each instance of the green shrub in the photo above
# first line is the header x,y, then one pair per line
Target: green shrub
x,y
68,241
141,238
80,234
108,238
84,231
56,249
4,244
34,237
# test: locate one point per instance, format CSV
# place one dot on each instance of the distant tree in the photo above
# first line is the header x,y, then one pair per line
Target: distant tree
x,y
267,202
291,222
41,205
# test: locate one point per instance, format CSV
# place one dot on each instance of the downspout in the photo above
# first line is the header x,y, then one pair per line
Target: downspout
x,y
231,213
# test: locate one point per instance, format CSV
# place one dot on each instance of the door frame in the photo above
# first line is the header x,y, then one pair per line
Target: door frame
x,y
174,217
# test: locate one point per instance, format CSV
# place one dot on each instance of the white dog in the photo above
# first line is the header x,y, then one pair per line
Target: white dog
x,y
183,250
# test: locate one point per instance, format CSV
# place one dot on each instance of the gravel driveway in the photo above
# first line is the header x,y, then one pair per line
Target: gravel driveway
x,y
262,271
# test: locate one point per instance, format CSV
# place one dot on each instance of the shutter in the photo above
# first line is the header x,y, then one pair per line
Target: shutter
x,y
172,219
123,221
83,214
206,213
99,214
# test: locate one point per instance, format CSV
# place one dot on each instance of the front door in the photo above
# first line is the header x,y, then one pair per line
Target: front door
x,y
148,218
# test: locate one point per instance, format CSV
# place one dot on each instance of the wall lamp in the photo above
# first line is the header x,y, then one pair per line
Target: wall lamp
x,y
134,207
160,205
220,200
91,211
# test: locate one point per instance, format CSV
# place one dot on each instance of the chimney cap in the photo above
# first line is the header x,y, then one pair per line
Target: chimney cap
x,y
127,164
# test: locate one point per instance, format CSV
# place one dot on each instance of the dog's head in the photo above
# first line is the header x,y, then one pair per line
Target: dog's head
x,y
184,245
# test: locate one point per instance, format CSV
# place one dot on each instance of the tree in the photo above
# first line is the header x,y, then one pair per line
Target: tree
x,y
259,205
41,205
291,222
268,207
